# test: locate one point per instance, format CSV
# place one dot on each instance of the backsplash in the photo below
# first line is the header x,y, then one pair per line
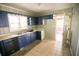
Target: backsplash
x,y
48,28
4,30
38,27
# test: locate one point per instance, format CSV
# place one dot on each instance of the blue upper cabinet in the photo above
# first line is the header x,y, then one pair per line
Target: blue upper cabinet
x,y
3,19
47,17
0,19
38,20
34,21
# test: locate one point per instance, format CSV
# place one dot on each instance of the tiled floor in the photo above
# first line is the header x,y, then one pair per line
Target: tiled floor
x,y
44,48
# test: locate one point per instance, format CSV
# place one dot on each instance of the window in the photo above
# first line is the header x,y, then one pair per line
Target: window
x,y
13,22
17,22
23,22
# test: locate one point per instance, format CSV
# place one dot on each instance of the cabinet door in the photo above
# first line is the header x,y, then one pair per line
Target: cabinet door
x,y
38,35
0,19
40,21
9,46
3,19
34,21
22,41
2,49
47,17
28,37
33,36
37,21
31,20
28,21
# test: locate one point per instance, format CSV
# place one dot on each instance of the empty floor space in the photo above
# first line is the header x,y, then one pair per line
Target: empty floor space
x,y
44,48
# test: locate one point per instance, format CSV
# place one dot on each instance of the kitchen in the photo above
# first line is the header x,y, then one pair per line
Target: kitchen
x,y
23,28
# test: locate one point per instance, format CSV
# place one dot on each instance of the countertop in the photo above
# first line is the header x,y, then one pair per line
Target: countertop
x,y
6,36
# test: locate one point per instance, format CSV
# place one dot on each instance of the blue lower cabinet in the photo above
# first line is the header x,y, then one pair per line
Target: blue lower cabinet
x,y
9,46
22,41
33,36
38,35
12,45
28,37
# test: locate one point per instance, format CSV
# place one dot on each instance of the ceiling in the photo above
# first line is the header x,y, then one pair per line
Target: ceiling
x,y
39,7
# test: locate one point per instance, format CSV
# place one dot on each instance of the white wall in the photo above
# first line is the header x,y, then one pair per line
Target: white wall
x,y
75,29
49,29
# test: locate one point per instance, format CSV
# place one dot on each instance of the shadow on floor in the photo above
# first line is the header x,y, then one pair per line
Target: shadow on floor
x,y
25,50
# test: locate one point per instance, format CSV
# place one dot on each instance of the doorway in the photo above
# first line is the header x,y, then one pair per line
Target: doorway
x,y
59,29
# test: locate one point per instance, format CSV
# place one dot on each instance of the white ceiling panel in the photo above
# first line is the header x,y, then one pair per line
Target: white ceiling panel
x,y
38,7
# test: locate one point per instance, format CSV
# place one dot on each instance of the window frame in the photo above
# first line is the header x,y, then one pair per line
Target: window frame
x,y
18,22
